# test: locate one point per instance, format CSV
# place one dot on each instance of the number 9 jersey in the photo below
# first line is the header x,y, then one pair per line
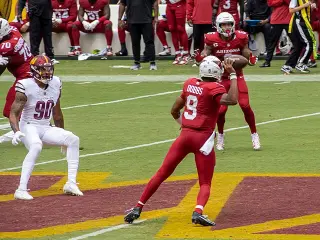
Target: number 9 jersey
x,y
202,104
40,102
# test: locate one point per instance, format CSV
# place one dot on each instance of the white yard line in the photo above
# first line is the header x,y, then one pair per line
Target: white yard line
x,y
161,142
81,83
4,126
129,83
279,83
122,100
102,231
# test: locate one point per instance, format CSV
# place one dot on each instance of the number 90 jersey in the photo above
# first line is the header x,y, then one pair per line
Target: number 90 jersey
x,y
202,104
40,102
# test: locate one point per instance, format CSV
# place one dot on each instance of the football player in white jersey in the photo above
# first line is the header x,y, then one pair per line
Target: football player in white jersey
x,y
37,101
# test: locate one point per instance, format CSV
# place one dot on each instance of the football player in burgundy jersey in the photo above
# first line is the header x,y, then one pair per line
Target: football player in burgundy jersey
x,y
201,99
15,49
228,41
98,15
64,14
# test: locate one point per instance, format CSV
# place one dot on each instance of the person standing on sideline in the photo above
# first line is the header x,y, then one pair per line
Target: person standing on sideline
x,y
302,36
40,15
199,14
139,18
279,20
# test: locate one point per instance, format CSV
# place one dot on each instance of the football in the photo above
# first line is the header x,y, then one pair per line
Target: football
x,y
239,61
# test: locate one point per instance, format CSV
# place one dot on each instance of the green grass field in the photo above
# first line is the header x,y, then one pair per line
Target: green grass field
x,y
290,146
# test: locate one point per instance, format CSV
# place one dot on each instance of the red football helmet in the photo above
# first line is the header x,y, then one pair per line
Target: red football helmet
x,y
41,69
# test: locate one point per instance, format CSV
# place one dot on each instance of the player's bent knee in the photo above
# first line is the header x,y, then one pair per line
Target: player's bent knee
x,y
72,140
108,24
35,147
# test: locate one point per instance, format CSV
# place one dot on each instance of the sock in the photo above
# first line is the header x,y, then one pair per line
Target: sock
x,y
75,36
122,35
250,119
109,36
199,209
28,164
140,204
221,118
175,40
72,143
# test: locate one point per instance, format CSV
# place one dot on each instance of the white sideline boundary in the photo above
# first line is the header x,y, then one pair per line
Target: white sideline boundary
x,y
161,142
176,78
102,231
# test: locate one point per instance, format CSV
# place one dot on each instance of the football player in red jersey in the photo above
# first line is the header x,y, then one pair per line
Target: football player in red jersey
x,y
230,6
17,54
23,25
176,13
201,100
98,15
228,41
64,14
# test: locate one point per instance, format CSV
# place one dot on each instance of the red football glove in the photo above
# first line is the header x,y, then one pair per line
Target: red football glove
x,y
197,56
253,60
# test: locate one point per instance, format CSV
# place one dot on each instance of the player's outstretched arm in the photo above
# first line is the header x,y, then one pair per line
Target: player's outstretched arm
x,y
230,98
175,110
58,115
16,110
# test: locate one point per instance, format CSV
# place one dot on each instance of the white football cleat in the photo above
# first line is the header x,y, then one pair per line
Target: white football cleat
x,y
166,51
255,141
7,137
72,189
220,142
22,195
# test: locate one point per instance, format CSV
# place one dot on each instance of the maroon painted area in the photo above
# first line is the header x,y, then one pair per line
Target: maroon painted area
x,y
305,229
95,204
9,183
261,199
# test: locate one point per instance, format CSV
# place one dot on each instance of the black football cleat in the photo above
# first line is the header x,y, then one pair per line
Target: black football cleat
x,y
203,220
133,214
265,64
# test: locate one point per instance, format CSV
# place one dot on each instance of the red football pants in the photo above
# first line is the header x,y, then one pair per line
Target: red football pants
x,y
103,27
243,100
188,142
176,20
64,27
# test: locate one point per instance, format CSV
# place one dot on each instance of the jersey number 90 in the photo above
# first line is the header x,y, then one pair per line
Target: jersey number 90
x,y
43,110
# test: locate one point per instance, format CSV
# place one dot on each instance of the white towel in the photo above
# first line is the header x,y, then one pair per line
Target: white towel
x,y
207,147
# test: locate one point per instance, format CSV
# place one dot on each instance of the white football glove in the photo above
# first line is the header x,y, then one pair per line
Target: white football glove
x,y
94,24
86,25
64,150
3,61
17,138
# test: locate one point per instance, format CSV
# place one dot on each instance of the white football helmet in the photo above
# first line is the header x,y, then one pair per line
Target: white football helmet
x,y
209,67
225,17
4,28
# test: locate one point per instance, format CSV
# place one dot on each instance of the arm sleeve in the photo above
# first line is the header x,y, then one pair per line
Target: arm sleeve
x,y
190,6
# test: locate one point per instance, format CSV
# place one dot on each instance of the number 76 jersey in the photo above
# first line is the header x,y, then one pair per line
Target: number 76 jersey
x,y
202,104
40,102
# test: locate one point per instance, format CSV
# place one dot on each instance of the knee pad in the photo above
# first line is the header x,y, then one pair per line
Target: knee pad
x,y
72,140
